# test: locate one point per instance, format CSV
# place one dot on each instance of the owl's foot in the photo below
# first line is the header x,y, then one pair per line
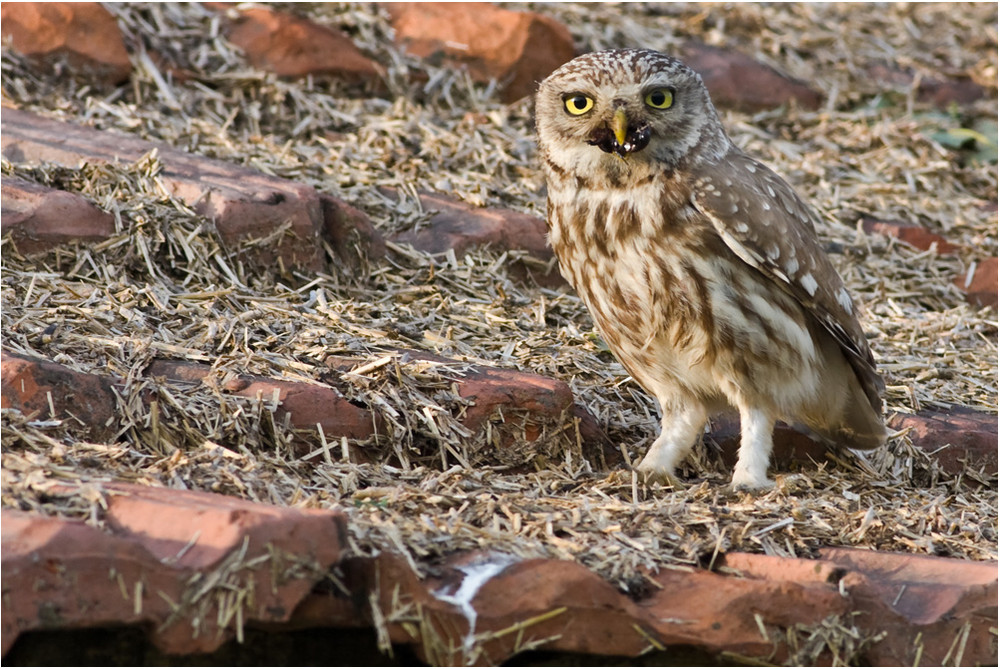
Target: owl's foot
x,y
744,482
666,477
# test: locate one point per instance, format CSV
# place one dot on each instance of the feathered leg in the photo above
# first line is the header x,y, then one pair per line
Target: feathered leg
x,y
756,442
683,423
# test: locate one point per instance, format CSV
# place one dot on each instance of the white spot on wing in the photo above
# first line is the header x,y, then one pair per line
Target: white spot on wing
x,y
845,300
809,283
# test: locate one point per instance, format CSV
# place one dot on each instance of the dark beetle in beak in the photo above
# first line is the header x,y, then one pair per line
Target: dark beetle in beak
x,y
619,138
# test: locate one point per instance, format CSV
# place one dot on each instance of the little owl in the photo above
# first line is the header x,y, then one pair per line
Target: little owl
x,y
700,266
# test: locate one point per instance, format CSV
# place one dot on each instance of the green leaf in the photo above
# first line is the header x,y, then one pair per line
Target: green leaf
x,y
956,138
986,149
598,341
979,141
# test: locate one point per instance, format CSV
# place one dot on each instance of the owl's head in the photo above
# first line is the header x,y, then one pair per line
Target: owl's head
x,y
625,109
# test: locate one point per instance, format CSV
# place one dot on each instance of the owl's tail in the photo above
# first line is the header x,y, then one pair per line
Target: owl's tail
x,y
847,411
858,426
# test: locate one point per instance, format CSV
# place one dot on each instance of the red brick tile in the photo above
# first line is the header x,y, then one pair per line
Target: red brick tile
x,y
518,49
39,218
163,549
84,34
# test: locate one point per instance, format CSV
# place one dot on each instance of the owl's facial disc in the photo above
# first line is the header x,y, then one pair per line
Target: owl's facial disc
x,y
619,138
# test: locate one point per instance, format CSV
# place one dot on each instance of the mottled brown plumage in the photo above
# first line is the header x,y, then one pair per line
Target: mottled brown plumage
x,y
699,265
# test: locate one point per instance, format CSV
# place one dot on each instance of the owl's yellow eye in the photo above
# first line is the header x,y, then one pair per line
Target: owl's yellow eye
x,y
660,98
578,103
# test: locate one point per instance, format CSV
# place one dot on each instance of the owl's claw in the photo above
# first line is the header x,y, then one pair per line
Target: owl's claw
x,y
664,477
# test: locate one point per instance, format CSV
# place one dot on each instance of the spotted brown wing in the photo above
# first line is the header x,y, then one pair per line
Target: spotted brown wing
x,y
764,222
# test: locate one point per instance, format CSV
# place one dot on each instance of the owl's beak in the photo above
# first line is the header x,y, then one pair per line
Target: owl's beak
x,y
619,126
